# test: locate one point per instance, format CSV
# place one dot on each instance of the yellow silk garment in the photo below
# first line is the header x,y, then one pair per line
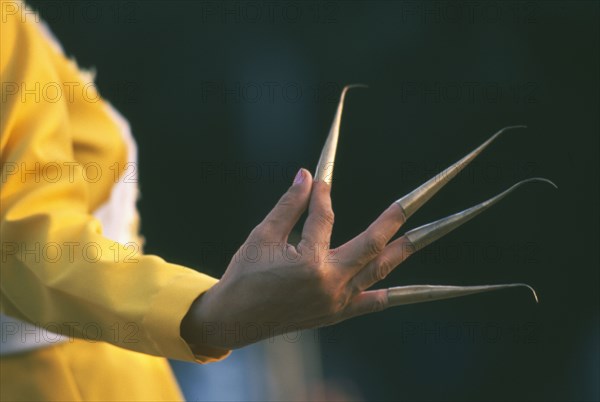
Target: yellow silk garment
x,y
132,304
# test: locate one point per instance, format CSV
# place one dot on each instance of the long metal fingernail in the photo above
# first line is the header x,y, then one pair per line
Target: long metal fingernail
x,y
324,171
399,296
426,234
411,202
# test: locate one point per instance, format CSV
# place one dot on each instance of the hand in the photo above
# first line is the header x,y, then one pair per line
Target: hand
x,y
272,287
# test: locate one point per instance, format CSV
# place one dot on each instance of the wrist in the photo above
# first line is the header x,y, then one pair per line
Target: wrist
x,y
191,328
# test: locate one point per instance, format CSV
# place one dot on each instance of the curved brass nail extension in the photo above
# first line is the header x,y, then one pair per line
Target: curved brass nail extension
x,y
426,234
411,202
324,171
402,295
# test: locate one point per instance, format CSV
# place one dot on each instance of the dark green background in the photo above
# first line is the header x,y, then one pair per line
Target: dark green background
x,y
201,150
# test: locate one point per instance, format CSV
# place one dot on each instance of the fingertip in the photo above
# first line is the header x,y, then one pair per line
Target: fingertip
x,y
302,179
396,213
307,175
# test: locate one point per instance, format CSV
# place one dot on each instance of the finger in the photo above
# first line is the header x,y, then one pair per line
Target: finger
x,y
316,233
391,256
381,299
366,246
359,251
381,266
366,303
281,220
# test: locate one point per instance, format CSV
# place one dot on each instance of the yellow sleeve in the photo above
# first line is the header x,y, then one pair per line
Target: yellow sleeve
x,y
57,268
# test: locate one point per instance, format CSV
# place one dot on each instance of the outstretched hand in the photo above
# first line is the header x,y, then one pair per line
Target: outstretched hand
x,y
271,287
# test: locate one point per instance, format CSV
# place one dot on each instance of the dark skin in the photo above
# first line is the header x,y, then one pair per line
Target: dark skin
x,y
271,287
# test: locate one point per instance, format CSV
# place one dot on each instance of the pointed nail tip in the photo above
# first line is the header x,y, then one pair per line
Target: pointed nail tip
x,y
510,128
514,127
504,129
535,296
493,138
553,184
541,179
351,86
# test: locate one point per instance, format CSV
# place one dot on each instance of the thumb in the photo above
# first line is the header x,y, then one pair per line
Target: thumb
x,y
283,217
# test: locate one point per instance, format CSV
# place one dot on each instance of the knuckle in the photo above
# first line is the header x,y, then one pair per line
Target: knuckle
x,y
382,269
259,232
311,255
313,266
289,199
326,217
375,244
354,289
317,274
333,305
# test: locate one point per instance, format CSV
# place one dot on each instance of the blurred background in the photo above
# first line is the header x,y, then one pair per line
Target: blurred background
x,y
227,100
